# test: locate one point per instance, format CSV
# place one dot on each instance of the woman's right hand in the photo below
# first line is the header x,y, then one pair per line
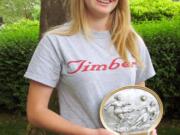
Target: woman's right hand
x,y
37,112
102,131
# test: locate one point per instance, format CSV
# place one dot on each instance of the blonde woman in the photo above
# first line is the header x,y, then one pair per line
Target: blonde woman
x,y
96,52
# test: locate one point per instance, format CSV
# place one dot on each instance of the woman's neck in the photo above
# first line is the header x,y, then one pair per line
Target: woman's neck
x,y
99,24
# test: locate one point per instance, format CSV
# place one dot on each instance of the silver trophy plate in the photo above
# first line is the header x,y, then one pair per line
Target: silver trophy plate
x,y
131,110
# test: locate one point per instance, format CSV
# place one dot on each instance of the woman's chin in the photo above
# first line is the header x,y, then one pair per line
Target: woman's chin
x,y
103,11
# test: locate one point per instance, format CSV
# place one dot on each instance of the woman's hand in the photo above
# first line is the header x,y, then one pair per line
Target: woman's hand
x,y
154,132
102,131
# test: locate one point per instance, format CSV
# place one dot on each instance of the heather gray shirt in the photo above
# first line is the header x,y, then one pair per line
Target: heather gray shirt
x,y
84,71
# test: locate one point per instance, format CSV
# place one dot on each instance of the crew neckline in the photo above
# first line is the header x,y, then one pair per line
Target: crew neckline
x,y
100,34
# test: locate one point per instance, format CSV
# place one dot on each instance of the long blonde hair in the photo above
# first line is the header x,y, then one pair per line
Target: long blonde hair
x,y
123,35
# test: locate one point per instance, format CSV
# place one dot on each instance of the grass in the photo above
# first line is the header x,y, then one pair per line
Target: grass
x,y
16,125
12,125
169,127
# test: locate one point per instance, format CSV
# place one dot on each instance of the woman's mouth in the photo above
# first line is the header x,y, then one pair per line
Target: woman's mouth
x,y
105,1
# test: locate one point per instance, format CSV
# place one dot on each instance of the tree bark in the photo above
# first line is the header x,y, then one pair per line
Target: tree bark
x,y
1,20
53,12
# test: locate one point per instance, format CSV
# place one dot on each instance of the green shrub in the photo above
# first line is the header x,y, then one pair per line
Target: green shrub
x,y
163,41
17,43
143,10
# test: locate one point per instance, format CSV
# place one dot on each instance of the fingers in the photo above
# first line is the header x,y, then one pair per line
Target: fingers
x,y
154,132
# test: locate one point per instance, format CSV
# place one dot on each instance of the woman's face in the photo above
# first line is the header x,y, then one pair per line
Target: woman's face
x,y
100,8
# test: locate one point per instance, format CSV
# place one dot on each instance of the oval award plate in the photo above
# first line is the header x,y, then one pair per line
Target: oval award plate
x,y
131,110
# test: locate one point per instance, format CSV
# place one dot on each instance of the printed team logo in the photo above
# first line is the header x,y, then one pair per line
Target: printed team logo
x,y
85,65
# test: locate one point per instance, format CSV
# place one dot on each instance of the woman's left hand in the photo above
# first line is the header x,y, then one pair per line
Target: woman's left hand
x,y
154,132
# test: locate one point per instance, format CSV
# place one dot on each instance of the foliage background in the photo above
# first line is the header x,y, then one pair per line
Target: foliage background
x,y
17,43
14,10
147,10
157,21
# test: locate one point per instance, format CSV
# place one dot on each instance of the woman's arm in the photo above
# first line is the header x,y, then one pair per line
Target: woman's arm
x,y
141,84
39,115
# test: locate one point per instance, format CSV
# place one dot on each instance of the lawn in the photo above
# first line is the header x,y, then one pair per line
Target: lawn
x,y
169,127
12,125
16,125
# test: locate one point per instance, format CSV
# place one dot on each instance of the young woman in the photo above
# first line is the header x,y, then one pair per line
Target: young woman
x,y
96,52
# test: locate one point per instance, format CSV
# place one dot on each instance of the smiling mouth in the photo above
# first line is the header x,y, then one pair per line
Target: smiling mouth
x,y
105,1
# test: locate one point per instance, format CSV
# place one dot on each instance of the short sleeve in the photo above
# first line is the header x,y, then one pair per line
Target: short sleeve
x,y
147,71
45,64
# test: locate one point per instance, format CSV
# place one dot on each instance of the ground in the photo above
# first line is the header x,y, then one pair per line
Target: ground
x,y
16,125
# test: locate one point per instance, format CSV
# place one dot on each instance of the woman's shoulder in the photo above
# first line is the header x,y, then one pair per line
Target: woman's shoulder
x,y
140,42
59,30
57,33
59,36
138,39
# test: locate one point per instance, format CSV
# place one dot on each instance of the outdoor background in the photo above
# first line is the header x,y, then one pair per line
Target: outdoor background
x,y
22,23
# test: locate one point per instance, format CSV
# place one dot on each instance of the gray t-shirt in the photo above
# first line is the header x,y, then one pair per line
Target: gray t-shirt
x,y
83,71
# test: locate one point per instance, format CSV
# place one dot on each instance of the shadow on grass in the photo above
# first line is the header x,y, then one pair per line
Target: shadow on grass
x,y
12,125
169,127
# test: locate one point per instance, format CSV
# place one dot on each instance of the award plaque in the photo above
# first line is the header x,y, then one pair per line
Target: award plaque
x,y
131,110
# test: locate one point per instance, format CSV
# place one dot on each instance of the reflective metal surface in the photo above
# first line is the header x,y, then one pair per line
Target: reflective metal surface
x,y
131,110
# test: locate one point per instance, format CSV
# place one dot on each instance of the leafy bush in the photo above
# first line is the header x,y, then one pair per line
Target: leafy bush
x,y
143,10
163,41
17,42
14,10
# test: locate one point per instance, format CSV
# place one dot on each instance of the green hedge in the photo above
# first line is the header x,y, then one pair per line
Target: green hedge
x,y
18,41
163,40
143,10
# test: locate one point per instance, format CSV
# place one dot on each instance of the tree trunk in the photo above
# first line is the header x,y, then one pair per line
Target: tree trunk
x,y
1,20
53,12
53,105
